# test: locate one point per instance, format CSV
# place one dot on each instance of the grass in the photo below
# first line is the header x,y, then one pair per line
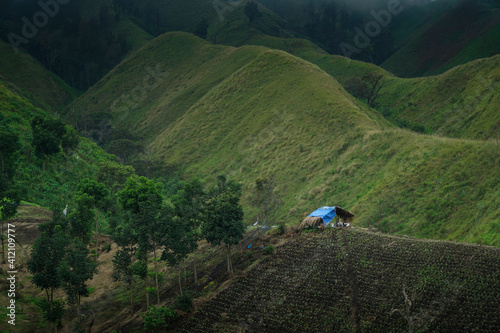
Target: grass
x,y
33,81
56,186
249,112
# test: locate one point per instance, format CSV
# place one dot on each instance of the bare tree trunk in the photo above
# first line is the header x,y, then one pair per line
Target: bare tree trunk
x,y
131,299
78,309
180,285
229,263
156,277
147,292
195,272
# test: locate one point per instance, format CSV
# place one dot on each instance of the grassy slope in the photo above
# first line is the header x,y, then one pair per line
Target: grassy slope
x,y
468,31
34,81
57,185
350,281
462,102
250,112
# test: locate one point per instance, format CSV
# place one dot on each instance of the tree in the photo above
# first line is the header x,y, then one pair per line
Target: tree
x,y
179,239
142,198
114,175
70,140
223,216
140,192
188,205
75,269
9,144
124,271
374,83
98,192
80,224
368,87
266,199
46,256
252,11
47,137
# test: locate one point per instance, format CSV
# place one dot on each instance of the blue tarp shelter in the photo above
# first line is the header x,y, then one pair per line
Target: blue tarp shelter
x,y
326,213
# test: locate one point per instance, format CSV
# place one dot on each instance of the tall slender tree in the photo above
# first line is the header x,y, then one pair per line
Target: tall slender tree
x,y
75,269
99,193
46,256
188,205
223,217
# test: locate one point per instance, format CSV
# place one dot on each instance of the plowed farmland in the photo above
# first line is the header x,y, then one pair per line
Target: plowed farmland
x,y
350,280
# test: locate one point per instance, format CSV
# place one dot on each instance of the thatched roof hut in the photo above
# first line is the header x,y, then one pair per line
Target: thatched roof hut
x,y
345,215
324,215
311,221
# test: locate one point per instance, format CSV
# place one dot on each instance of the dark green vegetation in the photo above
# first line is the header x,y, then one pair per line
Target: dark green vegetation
x,y
355,281
291,126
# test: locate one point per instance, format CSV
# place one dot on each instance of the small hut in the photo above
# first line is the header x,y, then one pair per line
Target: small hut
x,y
321,217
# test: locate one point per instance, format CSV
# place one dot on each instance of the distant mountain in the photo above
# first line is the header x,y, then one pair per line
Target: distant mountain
x,y
432,42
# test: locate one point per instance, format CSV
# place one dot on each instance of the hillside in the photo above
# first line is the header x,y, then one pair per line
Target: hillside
x,y
251,112
460,103
57,185
463,32
353,281
33,81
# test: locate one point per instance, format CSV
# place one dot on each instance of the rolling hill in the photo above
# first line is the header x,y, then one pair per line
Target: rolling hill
x,y
33,81
251,112
461,103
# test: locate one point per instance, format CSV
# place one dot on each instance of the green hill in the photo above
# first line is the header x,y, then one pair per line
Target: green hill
x,y
57,185
354,281
461,102
33,81
251,112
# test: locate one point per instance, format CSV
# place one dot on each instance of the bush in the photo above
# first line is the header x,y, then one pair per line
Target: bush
x,y
158,317
184,303
269,249
281,228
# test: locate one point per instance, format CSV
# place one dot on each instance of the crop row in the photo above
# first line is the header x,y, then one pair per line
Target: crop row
x,y
309,285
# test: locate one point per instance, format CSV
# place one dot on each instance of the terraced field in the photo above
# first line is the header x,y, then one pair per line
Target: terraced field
x,y
356,281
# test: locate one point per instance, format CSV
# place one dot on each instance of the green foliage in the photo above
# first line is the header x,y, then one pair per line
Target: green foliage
x,y
223,215
281,228
266,199
269,249
81,220
183,302
9,144
70,140
47,135
47,254
140,192
76,268
122,266
179,239
52,313
159,317
94,190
